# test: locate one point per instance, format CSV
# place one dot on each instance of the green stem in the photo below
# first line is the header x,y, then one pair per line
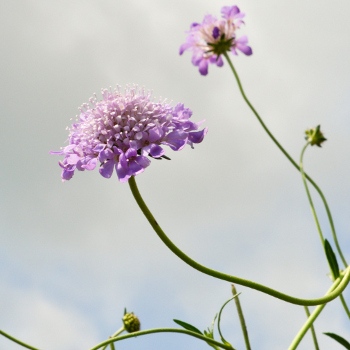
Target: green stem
x,y
315,215
339,284
164,330
311,319
306,326
309,195
119,331
219,319
17,341
344,305
288,157
241,318
312,329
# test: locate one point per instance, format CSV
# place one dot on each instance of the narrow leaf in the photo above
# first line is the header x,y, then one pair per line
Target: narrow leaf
x,y
332,260
210,332
188,326
210,335
339,339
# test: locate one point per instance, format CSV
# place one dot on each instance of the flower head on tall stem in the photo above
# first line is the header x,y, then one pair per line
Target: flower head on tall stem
x,y
211,38
123,131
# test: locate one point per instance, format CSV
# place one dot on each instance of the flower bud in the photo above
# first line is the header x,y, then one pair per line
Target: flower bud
x,y
315,136
131,322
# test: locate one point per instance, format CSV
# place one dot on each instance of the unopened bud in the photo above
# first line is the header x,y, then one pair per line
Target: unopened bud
x,y
315,136
131,322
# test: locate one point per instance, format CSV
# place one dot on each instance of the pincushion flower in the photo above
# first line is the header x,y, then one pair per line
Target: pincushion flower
x,y
123,131
213,37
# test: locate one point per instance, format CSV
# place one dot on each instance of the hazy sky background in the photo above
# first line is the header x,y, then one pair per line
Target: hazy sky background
x,y
74,254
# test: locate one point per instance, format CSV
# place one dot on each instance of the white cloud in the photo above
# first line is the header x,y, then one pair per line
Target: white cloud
x,y
35,319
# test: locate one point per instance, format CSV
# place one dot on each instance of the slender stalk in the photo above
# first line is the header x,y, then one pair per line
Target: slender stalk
x,y
119,331
315,215
219,319
19,342
339,284
309,195
288,157
164,330
312,329
306,327
311,319
345,306
241,318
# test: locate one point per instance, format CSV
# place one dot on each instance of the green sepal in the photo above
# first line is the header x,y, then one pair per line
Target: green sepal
x,y
188,326
315,136
339,339
210,332
332,260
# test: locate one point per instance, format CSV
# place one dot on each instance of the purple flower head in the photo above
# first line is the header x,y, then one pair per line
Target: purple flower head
x,y
123,131
213,37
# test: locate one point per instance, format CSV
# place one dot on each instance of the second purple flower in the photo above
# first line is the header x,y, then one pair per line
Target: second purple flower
x,y
211,38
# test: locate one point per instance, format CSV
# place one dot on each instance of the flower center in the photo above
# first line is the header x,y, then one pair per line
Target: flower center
x,y
221,46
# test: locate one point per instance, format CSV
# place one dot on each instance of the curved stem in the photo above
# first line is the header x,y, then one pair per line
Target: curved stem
x,y
315,217
311,319
339,284
164,330
296,341
17,341
309,195
219,318
119,331
289,158
115,334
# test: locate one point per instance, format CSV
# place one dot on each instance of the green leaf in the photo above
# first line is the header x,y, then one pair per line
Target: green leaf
x,y
339,339
210,332
332,260
188,326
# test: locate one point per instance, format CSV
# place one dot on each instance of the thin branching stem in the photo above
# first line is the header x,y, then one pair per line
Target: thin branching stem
x,y
312,329
329,215
163,330
241,318
15,340
311,203
308,324
339,284
314,214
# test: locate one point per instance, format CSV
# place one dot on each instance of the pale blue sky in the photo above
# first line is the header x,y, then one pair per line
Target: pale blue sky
x,y
73,255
